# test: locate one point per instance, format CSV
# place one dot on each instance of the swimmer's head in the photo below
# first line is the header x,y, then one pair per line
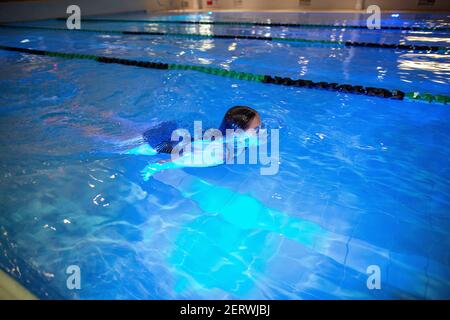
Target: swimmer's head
x,y
240,117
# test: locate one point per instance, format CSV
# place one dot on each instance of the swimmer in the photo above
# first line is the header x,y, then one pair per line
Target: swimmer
x,y
244,121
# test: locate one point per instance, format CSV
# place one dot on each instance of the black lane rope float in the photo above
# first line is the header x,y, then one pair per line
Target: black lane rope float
x,y
286,81
268,24
407,47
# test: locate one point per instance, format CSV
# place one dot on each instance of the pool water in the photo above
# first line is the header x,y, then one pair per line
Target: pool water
x,y
362,182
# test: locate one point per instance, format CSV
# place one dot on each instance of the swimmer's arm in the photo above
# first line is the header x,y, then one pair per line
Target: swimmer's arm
x,y
228,153
179,163
142,150
184,161
153,168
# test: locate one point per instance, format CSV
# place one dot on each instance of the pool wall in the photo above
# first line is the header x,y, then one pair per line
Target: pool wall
x,y
10,289
32,10
317,4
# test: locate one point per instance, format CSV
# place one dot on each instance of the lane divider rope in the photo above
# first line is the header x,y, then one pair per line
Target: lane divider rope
x,y
286,81
407,47
267,24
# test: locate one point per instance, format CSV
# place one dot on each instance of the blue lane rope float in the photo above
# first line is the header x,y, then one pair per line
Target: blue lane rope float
x,y
269,24
285,81
406,47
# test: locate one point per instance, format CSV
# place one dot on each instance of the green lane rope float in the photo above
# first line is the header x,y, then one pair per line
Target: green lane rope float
x,y
217,36
345,88
269,24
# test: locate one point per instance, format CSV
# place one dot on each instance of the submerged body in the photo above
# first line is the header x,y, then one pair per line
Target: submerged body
x,y
213,150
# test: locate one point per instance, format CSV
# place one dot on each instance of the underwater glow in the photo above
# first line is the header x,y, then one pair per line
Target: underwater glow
x,y
233,238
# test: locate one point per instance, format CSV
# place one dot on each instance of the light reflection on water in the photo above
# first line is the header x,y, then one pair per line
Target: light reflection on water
x,y
421,61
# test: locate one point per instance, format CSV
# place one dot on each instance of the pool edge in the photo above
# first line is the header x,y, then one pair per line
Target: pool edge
x,y
10,289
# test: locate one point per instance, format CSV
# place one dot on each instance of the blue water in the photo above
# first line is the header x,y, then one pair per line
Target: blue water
x,y
362,181
431,38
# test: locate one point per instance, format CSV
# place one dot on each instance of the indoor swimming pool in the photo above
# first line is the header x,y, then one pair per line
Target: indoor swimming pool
x,y
363,180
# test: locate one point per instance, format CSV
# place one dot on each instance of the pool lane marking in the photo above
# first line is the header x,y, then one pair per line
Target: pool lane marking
x,y
286,81
438,49
267,24
184,35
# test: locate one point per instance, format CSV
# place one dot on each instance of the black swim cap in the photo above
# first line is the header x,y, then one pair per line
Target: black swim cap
x,y
238,117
